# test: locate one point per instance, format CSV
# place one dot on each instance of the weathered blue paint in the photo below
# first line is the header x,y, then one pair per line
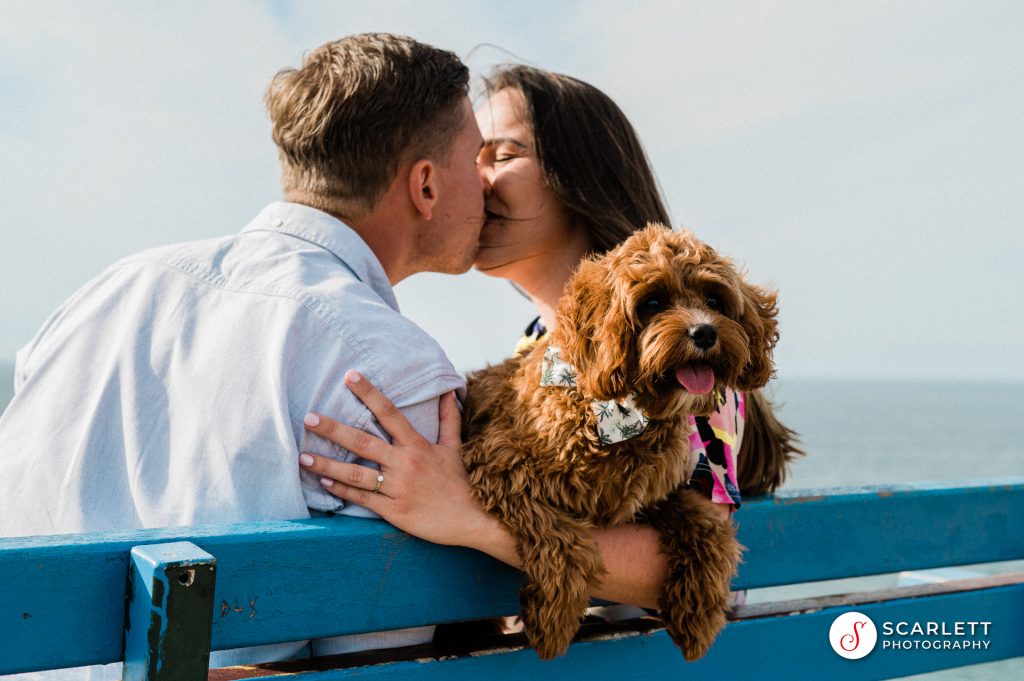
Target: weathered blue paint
x,y
61,598
60,606
784,647
864,531
275,581
169,612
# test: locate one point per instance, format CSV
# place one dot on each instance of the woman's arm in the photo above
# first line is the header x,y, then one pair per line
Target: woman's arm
x,y
425,491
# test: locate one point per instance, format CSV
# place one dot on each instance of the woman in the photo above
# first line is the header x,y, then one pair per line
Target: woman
x,y
565,176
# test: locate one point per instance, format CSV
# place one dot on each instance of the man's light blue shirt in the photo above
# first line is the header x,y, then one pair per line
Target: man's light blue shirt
x,y
170,390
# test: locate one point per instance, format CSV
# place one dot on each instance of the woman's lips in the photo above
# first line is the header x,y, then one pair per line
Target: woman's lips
x,y
492,221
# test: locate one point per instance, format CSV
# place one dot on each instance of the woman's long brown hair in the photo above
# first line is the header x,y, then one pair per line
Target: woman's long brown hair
x,y
593,160
591,156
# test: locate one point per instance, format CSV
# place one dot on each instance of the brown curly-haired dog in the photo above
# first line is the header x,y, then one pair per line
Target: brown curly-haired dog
x,y
667,319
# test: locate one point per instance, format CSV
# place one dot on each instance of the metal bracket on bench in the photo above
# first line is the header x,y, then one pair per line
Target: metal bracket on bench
x,y
170,613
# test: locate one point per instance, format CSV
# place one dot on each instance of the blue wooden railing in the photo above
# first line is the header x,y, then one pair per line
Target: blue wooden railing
x,y
63,598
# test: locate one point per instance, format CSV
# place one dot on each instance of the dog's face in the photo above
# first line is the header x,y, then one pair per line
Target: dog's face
x,y
667,318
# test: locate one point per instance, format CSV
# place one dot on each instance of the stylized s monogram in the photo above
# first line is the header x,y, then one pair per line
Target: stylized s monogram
x,y
854,637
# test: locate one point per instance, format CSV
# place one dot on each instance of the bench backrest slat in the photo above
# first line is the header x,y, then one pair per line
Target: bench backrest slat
x,y
790,646
62,598
807,536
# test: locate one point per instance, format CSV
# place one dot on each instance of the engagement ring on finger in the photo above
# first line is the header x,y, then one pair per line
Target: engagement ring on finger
x,y
380,481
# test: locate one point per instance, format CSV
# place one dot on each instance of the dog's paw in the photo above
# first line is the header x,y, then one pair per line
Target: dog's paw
x,y
703,555
550,647
695,600
693,630
550,620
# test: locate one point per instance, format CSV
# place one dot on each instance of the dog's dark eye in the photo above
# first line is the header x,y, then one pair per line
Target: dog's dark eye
x,y
715,303
653,304
649,307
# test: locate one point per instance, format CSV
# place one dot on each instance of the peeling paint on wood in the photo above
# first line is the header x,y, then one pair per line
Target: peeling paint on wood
x,y
167,634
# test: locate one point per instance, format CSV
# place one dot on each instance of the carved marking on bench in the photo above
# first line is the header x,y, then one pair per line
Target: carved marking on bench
x,y
226,608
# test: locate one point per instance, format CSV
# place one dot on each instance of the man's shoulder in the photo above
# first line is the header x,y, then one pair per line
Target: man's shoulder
x,y
195,259
254,264
328,306
398,356
323,308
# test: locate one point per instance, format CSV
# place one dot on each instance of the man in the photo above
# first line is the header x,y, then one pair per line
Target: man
x,y
170,390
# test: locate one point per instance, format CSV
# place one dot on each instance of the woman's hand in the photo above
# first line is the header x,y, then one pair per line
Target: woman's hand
x,y
426,493
425,490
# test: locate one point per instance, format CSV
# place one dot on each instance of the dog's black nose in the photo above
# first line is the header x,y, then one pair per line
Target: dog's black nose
x,y
704,336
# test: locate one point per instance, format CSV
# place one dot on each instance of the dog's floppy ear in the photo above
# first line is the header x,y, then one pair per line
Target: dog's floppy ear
x,y
594,331
758,320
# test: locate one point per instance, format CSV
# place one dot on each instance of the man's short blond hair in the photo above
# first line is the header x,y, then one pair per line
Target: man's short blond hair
x,y
356,109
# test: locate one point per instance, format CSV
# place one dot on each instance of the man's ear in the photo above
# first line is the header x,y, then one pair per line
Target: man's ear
x,y
423,187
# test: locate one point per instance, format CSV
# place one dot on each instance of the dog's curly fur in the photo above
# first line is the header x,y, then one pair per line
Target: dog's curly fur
x,y
533,453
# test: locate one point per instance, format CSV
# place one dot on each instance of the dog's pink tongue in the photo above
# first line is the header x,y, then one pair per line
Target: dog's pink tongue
x,y
696,378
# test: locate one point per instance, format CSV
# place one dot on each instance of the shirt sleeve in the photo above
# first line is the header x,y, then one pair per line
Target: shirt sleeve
x,y
424,417
714,443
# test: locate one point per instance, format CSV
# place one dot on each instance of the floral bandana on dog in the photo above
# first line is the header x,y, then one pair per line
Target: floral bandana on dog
x,y
616,420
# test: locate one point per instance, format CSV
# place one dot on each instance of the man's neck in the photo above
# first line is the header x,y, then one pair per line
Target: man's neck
x,y
392,245
384,229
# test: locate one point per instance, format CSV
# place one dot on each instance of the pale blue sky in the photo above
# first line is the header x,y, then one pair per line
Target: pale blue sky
x,y
867,158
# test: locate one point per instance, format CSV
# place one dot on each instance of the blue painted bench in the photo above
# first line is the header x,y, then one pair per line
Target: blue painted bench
x,y
149,597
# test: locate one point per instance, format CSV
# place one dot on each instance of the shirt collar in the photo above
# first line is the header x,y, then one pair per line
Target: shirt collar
x,y
331,234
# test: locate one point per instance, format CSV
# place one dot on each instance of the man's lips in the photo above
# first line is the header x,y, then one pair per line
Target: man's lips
x,y
491,220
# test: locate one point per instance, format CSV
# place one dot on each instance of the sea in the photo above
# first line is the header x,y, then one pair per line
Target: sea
x,y
881,432
877,432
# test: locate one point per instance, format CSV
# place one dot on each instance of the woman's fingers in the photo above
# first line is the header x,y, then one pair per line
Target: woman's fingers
x,y
425,490
450,428
352,439
384,410
349,474
335,474
378,503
